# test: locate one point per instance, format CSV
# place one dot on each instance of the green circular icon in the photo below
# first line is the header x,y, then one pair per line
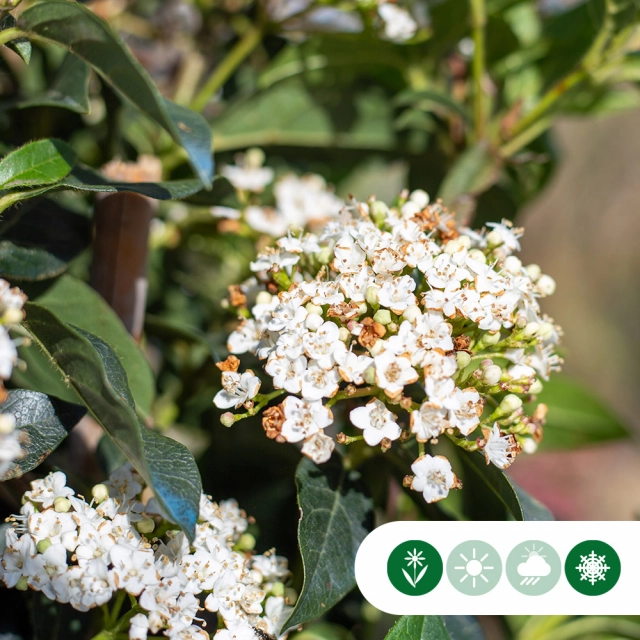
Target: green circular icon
x,y
414,567
592,567
533,567
474,568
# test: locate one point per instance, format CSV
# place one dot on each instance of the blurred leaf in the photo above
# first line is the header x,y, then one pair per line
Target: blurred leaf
x,y
576,416
290,114
75,302
427,98
93,370
473,172
109,455
418,628
21,46
26,253
324,631
37,163
335,517
83,33
463,627
69,89
45,421
532,509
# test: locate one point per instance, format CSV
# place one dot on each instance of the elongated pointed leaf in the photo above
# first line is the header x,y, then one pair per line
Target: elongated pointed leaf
x,y
93,371
83,33
335,517
69,90
37,163
463,627
421,574
418,628
408,577
493,483
44,423
21,46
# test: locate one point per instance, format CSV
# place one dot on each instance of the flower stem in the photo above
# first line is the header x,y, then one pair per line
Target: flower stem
x,y
11,34
359,393
264,400
478,23
249,41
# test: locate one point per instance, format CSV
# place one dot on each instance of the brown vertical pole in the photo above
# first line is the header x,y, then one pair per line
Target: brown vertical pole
x,y
121,241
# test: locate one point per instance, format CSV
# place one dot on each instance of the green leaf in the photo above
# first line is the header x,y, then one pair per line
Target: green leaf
x,y
463,627
93,371
26,253
37,163
69,89
324,631
44,423
83,33
75,302
576,416
532,509
419,628
335,517
21,46
431,100
473,172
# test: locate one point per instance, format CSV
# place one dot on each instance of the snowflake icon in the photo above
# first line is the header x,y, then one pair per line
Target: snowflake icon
x,y
593,567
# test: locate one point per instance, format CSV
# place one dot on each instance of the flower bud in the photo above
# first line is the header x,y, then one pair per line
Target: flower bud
x,y
363,308
325,256
546,330
23,584
370,375
410,209
531,330
494,239
379,211
529,445
43,545
509,404
227,418
478,256
146,525
545,285
62,505
512,264
534,271
463,359
412,313
247,542
7,423
383,316
344,335
100,493
371,295
313,322
491,375
420,197
264,297
277,589
488,340
536,387
313,308
12,316
377,348
254,158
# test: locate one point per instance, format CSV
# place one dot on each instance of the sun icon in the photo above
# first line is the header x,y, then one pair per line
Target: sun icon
x,y
474,567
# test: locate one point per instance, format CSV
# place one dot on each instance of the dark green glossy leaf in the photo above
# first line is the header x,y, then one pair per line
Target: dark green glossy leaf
x,y
492,482
26,253
94,372
44,423
532,509
418,628
21,46
473,172
75,302
576,416
83,33
37,163
336,515
69,89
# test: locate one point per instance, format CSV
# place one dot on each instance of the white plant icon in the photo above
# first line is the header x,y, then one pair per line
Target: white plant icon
x,y
415,560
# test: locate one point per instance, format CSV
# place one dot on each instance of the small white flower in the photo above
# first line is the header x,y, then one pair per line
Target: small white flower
x,y
376,422
319,383
467,416
499,449
265,220
14,560
323,345
433,477
432,333
138,627
42,567
437,366
503,233
304,418
398,23
318,447
286,372
352,367
428,422
132,569
246,178
445,271
393,373
8,354
45,491
236,389
397,294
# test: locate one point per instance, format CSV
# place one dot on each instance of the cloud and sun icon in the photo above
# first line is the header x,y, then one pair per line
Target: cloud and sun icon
x,y
534,567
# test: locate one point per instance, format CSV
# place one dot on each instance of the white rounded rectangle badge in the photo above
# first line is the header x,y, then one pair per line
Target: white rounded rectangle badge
x,y
502,568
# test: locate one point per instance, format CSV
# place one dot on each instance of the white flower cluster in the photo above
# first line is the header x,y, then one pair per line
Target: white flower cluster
x,y
84,554
399,25
399,305
299,201
11,302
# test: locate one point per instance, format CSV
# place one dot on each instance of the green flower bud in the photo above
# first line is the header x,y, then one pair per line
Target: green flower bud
x,y
100,493
379,211
344,335
62,505
371,296
146,525
492,374
531,330
536,387
463,359
412,313
383,316
325,256
370,375
43,545
278,589
22,585
313,308
509,404
227,419
247,542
